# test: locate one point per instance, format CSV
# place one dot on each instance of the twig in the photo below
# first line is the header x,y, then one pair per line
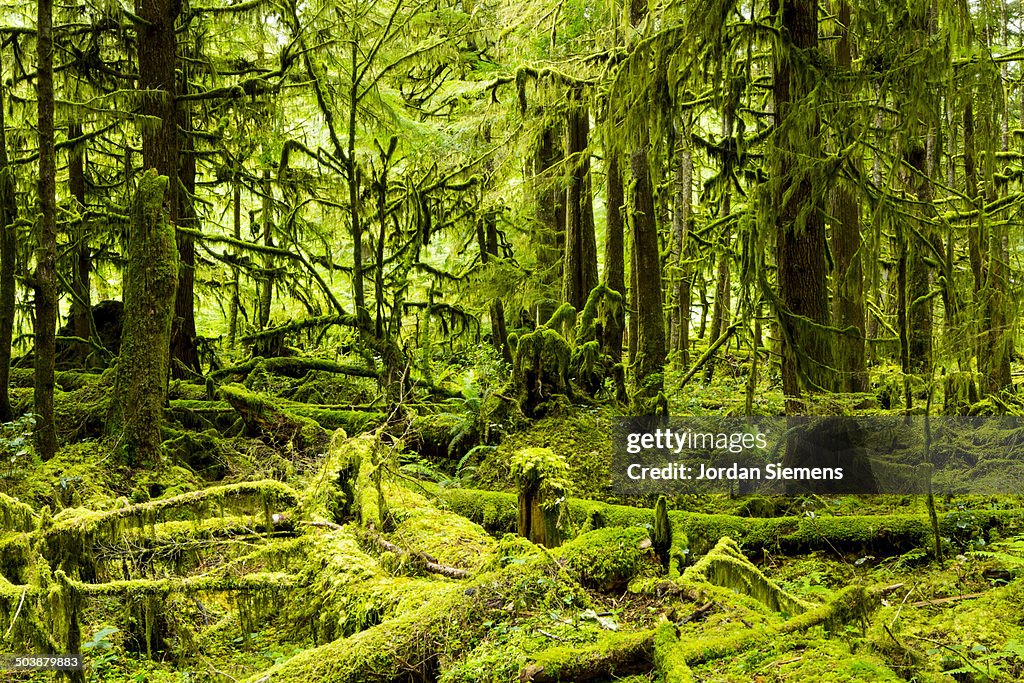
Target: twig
x,y
17,611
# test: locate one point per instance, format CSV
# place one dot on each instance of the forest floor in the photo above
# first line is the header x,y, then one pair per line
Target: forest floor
x,y
296,533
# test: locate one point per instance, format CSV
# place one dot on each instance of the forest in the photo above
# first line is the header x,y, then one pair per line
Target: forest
x,y
320,319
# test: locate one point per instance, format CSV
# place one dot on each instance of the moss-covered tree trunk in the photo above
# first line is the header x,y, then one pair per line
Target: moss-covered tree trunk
x,y
81,263
44,279
8,251
614,252
648,361
150,284
682,276
803,306
848,303
549,195
579,272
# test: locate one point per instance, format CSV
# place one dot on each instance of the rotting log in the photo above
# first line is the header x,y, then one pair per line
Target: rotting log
x,y
295,367
282,428
881,535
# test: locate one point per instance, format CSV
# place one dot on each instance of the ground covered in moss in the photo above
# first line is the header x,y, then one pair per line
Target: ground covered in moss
x,y
293,531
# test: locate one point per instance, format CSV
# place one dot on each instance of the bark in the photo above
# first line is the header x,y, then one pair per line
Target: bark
x,y
235,271
551,211
579,272
184,353
150,284
800,237
682,277
266,285
846,253
45,276
919,310
8,251
649,362
614,251
647,344
81,304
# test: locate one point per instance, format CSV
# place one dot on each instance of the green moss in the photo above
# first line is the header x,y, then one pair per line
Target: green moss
x,y
585,434
607,559
669,657
726,566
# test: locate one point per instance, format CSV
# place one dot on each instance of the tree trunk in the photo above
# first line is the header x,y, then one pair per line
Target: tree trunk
x,y
150,285
81,303
184,353
551,211
649,362
266,284
682,277
614,251
236,276
846,253
579,271
919,311
800,236
45,277
8,253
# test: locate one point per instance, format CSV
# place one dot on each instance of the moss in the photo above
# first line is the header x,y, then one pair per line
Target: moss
x,y
540,368
607,559
669,657
150,283
586,434
726,566
543,485
614,654
264,416
452,540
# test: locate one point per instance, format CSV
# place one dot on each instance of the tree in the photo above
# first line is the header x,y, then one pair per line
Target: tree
x,y
8,253
150,283
802,307
44,279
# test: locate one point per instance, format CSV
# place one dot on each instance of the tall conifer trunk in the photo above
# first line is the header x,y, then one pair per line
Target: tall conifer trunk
x,y
800,235
614,251
8,253
648,360
44,279
846,251
579,268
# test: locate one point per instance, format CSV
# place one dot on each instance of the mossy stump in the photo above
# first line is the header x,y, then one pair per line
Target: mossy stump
x,y
542,476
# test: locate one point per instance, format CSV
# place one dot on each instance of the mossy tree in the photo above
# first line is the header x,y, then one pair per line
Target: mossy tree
x,y
150,284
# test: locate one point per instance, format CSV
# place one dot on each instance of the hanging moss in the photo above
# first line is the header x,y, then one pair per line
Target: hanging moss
x,y
15,515
263,416
726,566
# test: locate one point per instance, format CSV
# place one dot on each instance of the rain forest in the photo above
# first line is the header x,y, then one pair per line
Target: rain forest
x,y
320,321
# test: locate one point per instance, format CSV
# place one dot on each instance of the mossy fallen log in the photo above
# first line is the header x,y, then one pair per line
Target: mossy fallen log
x,y
68,541
201,414
881,535
451,621
669,658
615,655
671,653
726,566
284,429
295,367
